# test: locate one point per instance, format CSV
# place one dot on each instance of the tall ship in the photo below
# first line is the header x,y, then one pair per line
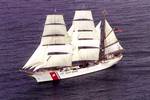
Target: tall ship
x,y
81,50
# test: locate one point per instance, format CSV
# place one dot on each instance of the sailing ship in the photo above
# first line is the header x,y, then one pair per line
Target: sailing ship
x,y
83,49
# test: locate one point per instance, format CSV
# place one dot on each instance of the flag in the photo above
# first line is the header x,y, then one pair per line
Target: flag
x,y
118,30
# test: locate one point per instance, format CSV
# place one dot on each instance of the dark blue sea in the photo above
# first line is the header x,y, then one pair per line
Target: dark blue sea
x,y
21,26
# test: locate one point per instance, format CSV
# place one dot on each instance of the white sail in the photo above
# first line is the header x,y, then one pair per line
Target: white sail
x,y
38,57
54,30
111,42
57,61
60,56
54,49
60,48
85,38
80,25
75,55
56,55
83,14
50,19
88,35
98,27
53,40
60,60
88,43
89,54
113,48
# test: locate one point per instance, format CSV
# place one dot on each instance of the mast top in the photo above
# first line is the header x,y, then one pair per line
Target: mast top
x,y
104,13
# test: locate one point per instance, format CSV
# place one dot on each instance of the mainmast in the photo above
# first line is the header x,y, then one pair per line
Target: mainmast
x,y
110,45
85,38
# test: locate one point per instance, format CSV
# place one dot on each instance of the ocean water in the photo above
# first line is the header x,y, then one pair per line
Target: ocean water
x,y
21,26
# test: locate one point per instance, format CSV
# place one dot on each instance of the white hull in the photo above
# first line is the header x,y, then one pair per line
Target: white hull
x,y
58,75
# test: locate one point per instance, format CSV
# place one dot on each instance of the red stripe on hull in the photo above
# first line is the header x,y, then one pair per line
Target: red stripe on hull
x,y
54,75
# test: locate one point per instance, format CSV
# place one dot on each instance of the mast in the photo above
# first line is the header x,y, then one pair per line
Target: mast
x,y
110,43
54,49
103,36
85,38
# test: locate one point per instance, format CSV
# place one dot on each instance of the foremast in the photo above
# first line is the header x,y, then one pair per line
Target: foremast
x,y
54,50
